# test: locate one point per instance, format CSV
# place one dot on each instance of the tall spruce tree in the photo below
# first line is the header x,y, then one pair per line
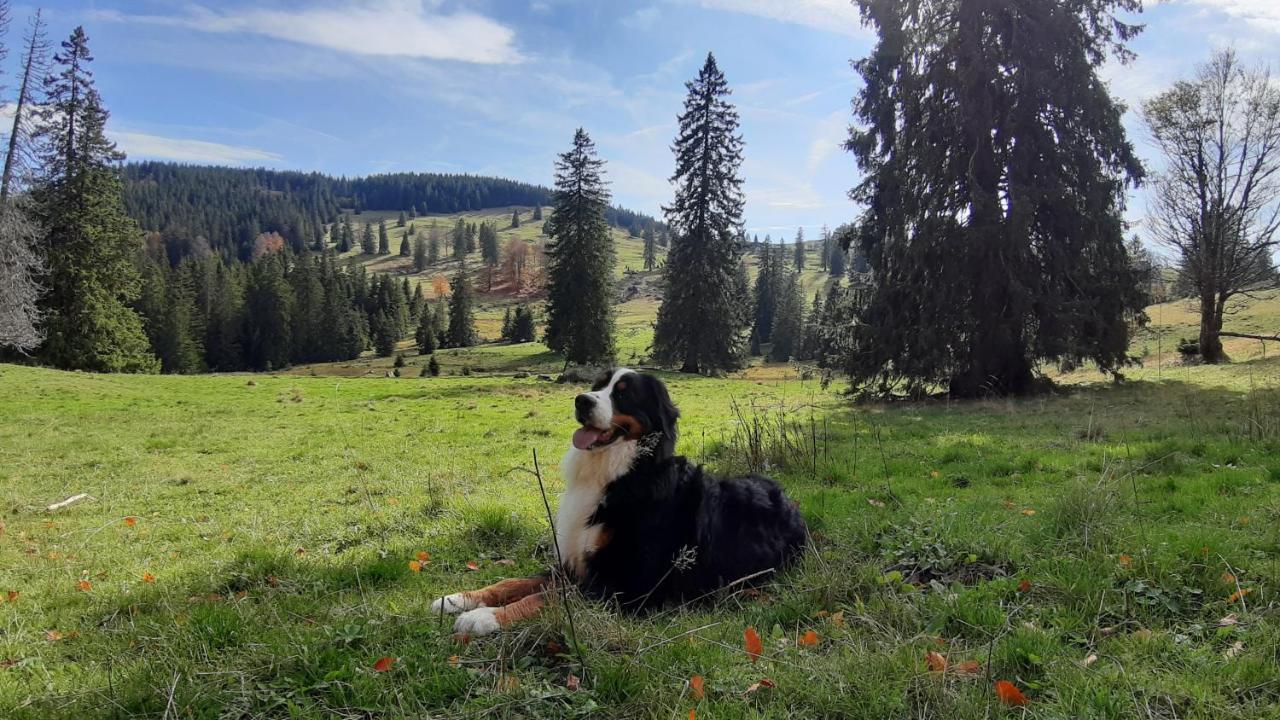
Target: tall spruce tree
x,y
368,245
462,321
650,249
91,243
406,247
580,258
994,164
384,241
515,218
788,319
798,259
459,238
703,318
765,295
419,254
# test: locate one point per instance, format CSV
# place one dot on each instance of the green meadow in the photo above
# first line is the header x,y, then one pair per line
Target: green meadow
x,y
246,547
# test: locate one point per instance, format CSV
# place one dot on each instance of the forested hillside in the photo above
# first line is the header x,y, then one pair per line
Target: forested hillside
x,y
198,209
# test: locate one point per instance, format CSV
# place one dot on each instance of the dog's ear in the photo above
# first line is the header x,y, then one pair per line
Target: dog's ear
x,y
667,412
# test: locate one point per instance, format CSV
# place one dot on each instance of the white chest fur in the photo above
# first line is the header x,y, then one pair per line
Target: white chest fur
x,y
586,475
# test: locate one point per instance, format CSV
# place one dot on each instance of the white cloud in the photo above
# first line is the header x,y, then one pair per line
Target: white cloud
x,y
837,16
137,144
1262,14
829,137
387,28
643,19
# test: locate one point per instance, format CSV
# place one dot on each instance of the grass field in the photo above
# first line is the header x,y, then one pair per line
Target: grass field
x,y
1112,550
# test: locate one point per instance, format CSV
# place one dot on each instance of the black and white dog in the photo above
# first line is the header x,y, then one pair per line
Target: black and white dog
x,y
638,524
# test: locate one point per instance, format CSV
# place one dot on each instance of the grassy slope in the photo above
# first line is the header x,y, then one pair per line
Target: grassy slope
x,y
278,517
635,317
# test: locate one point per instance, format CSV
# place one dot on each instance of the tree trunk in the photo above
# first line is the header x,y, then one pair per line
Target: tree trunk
x,y
1210,324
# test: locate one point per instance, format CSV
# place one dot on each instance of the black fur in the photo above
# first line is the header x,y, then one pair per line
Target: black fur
x,y
675,532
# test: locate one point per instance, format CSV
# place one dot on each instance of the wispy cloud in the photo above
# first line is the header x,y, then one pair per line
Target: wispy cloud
x,y
145,145
829,137
390,28
1261,14
643,19
837,16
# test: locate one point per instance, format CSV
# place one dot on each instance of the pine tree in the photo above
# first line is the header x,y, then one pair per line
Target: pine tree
x,y
471,234
367,243
400,222
788,320
515,218
765,296
799,252
462,322
406,249
994,163
812,330
433,366
824,250
523,328
91,242
835,260
386,333
580,258
384,241
650,249
537,212
268,305
420,261
506,324
413,212
703,319
489,251
459,237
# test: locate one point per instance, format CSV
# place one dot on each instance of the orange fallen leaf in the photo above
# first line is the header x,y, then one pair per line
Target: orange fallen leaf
x,y
472,565
1125,560
1239,594
554,648
1024,586
1009,693
273,581
696,690
415,566
423,556
573,682
764,683
935,661
12,596
837,618
84,585
808,639
52,635
1228,578
148,577
131,521
968,667
453,661
751,642
300,552
693,715
384,664
1028,511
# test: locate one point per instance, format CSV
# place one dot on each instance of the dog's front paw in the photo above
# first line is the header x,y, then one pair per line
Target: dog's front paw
x,y
474,623
454,604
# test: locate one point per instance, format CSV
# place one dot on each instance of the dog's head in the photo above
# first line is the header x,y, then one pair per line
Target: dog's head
x,y
626,406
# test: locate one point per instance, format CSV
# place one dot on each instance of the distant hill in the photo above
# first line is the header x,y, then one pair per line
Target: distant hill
x,y
196,209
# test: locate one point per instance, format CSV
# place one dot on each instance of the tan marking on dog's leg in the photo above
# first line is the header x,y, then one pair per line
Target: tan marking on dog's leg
x,y
525,608
508,591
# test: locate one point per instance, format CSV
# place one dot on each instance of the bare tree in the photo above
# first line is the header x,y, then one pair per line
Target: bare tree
x,y
19,268
1217,201
34,68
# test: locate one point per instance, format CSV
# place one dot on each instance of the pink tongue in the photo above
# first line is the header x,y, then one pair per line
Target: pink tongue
x,y
585,437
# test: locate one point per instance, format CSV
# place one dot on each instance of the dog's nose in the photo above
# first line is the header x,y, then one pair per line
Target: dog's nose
x,y
583,405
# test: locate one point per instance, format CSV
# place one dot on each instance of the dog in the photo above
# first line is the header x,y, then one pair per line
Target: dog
x,y
639,525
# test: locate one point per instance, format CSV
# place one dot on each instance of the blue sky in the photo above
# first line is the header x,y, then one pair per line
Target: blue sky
x,y
497,87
